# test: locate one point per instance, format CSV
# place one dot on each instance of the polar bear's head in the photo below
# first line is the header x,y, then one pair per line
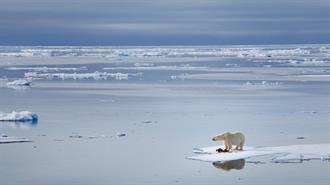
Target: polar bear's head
x,y
220,137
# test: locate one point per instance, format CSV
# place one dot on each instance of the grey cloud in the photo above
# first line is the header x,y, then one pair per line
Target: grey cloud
x,y
173,20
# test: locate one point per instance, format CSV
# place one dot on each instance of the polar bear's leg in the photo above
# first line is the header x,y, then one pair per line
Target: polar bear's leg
x,y
240,146
227,145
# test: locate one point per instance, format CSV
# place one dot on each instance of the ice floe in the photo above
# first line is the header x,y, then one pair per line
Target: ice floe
x,y
20,82
79,76
141,64
48,69
289,153
76,135
4,139
164,68
182,76
19,116
263,83
120,134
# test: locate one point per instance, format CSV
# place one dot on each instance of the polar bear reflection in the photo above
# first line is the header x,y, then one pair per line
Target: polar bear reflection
x,y
229,165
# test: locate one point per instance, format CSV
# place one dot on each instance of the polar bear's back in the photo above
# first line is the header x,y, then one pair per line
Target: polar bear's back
x,y
237,138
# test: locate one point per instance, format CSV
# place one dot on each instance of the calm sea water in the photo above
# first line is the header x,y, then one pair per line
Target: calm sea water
x,y
164,119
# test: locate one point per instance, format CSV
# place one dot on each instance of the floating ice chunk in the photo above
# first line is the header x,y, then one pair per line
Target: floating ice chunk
x,y
310,112
263,83
20,82
248,83
119,76
92,137
76,136
232,65
48,69
19,116
120,134
122,54
182,76
79,76
140,64
5,139
165,68
214,157
280,153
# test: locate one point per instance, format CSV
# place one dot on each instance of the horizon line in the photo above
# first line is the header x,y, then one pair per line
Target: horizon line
x,y
165,45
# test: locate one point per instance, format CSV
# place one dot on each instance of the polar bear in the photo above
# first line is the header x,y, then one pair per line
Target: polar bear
x,y
231,139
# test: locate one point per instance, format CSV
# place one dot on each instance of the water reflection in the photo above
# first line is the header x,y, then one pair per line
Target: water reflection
x,y
229,165
20,124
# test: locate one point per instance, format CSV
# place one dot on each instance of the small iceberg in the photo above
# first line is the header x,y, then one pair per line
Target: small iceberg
x,y
19,116
20,82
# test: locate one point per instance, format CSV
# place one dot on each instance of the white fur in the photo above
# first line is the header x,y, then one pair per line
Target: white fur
x,y
231,139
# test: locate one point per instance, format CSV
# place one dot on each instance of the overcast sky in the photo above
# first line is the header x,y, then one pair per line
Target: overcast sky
x,y
163,22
